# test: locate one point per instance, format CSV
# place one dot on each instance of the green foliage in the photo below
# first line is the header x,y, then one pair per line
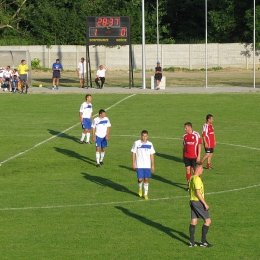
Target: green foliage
x,y
64,22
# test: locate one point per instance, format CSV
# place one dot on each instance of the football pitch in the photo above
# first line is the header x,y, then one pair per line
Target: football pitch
x,y
55,204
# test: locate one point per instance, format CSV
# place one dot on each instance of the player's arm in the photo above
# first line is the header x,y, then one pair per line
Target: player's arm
x,y
202,199
152,162
93,133
80,117
199,152
133,161
108,133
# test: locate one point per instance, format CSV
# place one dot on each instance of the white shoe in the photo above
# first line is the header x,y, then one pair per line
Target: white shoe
x,y
157,88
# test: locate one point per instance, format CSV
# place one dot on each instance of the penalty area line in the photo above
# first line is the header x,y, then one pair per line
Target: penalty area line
x,y
124,202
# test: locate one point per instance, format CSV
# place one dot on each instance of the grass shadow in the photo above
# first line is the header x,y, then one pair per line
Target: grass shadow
x,y
76,155
108,183
63,135
176,184
173,233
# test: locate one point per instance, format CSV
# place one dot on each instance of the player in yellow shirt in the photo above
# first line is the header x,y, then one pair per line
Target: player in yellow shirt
x,y
199,208
23,72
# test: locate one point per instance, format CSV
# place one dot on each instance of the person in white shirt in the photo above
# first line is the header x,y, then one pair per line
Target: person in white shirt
x,y
101,75
100,134
1,76
143,162
81,71
85,116
7,77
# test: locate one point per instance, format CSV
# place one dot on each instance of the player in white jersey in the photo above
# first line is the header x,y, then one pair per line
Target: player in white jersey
x,y
100,134
85,116
143,162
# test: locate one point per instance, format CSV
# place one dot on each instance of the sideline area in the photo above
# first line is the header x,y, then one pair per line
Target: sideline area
x,y
135,90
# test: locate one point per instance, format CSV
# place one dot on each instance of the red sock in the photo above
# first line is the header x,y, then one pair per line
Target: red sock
x,y
208,165
188,177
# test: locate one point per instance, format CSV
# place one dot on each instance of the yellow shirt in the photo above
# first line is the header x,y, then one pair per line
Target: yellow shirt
x,y
196,184
22,69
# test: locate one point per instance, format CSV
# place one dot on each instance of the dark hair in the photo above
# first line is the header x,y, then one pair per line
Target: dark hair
x,y
88,95
144,132
188,124
22,61
208,116
101,111
57,59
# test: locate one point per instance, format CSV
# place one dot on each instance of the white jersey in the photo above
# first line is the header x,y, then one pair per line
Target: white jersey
x,y
143,153
86,110
82,67
2,73
101,73
101,125
8,74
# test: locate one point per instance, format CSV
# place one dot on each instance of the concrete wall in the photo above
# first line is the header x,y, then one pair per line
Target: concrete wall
x,y
191,56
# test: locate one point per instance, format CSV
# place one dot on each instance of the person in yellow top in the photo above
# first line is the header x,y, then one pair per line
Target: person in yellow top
x,y
23,72
199,208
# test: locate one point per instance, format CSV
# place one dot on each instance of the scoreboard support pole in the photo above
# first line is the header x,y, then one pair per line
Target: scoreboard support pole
x,y
131,75
88,69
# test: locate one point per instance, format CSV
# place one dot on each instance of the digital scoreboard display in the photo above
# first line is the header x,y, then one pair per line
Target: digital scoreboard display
x,y
108,30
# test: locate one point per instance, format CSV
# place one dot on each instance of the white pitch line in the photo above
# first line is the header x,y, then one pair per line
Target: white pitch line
x,y
54,136
123,202
174,138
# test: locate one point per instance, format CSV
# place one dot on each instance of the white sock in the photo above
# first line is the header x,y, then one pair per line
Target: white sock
x,y
140,185
102,156
97,157
146,189
82,137
88,136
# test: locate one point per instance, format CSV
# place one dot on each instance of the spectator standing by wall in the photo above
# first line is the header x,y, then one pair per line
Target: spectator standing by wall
x,y
81,71
23,72
56,68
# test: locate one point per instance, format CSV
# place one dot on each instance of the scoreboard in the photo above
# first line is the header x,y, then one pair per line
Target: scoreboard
x,y
108,30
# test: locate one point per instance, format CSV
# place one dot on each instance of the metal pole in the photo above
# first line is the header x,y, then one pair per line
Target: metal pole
x,y
143,47
206,44
254,45
157,23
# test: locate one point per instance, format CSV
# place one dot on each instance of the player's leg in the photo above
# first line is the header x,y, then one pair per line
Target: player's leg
x,y
192,229
58,83
147,175
140,176
204,231
103,146
208,166
53,82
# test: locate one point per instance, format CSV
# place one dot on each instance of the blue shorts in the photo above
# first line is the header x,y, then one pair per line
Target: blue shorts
x,y
7,79
143,173
86,123
101,142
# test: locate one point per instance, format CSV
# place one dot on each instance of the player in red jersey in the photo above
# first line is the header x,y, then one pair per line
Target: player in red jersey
x,y
209,140
191,149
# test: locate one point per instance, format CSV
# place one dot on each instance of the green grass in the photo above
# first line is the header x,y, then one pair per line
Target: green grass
x,y
55,204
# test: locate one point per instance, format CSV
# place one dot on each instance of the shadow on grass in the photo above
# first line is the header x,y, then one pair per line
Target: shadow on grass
x,y
63,135
176,184
173,233
73,154
169,157
107,183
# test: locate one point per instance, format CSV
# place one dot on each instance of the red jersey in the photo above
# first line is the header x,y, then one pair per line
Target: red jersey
x,y
208,134
191,143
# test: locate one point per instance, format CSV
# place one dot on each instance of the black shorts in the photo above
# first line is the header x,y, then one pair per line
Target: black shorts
x,y
56,74
158,76
209,150
190,162
198,210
